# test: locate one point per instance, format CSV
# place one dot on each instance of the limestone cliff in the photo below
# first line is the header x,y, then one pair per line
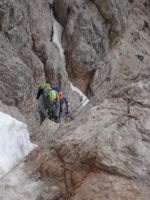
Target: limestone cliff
x,y
104,153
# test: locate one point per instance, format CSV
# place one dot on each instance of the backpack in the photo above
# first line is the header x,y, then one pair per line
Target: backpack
x,y
60,96
45,93
44,86
41,88
59,93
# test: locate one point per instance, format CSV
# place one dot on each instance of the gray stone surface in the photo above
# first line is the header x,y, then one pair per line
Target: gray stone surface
x,y
90,29
12,111
104,153
28,55
16,78
115,12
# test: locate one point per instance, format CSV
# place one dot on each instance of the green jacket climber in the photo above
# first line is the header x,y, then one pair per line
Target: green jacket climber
x,y
48,105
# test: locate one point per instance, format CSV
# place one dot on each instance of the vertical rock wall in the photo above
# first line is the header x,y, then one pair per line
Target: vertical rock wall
x,y
90,30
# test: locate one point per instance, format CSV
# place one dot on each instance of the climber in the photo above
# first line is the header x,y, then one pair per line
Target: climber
x,y
63,102
48,105
53,106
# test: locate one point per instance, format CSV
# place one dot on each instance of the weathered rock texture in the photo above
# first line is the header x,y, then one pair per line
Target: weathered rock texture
x,y
90,29
13,111
105,152
20,67
28,55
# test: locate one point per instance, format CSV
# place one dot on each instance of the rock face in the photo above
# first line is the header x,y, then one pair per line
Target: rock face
x,y
14,88
13,111
28,55
20,67
104,153
90,29
115,12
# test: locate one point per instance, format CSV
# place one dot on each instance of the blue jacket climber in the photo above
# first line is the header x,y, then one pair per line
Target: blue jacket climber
x,y
64,103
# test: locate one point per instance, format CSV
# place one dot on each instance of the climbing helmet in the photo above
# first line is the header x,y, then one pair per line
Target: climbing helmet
x,y
52,95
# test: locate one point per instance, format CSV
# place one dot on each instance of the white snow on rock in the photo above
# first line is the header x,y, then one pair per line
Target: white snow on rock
x,y
18,186
57,35
85,100
14,142
58,29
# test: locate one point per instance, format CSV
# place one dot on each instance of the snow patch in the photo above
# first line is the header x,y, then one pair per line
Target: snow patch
x,y
17,185
58,29
85,100
57,35
14,142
